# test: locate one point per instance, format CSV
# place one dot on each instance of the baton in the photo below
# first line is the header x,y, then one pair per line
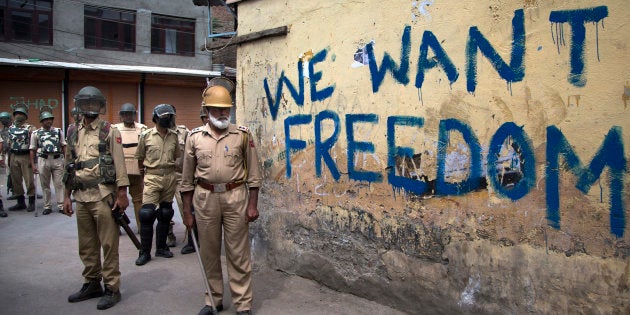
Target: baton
x,y
203,272
36,179
123,220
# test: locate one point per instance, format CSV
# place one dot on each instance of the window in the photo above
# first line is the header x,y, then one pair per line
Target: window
x,y
171,35
109,28
26,21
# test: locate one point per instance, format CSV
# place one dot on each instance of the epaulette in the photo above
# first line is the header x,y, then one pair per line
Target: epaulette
x,y
145,132
198,129
243,128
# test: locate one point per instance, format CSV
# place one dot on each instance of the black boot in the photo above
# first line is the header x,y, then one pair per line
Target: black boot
x,y
2,213
190,248
31,204
146,238
109,299
161,232
88,291
20,205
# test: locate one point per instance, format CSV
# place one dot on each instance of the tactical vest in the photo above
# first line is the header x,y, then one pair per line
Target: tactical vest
x,y
130,145
107,169
19,138
49,141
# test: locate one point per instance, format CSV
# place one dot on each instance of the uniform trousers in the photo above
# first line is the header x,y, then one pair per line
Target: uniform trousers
x,y
136,184
51,168
227,210
21,171
97,229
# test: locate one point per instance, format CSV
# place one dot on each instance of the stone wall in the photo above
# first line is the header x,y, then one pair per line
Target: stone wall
x,y
444,156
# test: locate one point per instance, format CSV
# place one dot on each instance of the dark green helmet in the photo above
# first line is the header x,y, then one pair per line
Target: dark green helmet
x,y
5,116
85,96
21,108
45,115
127,108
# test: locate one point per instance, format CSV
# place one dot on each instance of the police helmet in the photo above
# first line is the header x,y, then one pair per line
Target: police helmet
x,y
163,111
45,115
216,96
21,108
5,116
85,98
127,108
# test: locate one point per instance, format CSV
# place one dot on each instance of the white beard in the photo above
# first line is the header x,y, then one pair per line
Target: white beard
x,y
219,123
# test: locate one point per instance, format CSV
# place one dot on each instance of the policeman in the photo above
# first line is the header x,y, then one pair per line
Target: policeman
x,y
19,159
5,122
220,179
204,116
48,145
96,176
156,155
130,131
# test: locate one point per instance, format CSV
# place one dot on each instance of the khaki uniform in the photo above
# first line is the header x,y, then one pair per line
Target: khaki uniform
x,y
210,161
130,137
182,134
97,228
48,145
158,155
20,165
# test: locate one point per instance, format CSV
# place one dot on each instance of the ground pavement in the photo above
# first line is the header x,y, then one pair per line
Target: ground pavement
x,y
40,267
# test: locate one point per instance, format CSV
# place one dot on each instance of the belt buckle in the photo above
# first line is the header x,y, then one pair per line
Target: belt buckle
x,y
219,188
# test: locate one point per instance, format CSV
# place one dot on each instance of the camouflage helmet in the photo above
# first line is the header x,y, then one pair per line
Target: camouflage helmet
x,y
127,108
45,115
21,108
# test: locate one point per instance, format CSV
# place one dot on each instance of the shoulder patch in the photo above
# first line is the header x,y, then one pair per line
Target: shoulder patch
x,y
242,128
198,129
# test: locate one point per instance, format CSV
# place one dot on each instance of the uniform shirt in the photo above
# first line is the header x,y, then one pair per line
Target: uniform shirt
x,y
220,160
157,152
4,136
86,149
47,141
130,137
182,134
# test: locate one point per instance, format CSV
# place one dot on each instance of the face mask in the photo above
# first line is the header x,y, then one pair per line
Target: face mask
x,y
165,122
90,116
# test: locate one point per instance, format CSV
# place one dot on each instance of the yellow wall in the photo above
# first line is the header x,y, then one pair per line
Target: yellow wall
x,y
582,91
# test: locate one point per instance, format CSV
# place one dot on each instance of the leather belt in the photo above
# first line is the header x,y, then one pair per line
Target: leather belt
x,y
129,145
47,155
219,187
160,171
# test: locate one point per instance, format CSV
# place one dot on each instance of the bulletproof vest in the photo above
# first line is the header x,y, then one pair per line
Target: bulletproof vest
x,y
19,137
49,140
130,145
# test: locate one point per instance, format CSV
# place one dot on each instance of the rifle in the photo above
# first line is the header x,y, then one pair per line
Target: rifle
x,y
123,220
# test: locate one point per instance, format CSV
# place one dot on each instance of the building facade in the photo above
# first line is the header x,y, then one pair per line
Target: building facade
x,y
445,157
142,52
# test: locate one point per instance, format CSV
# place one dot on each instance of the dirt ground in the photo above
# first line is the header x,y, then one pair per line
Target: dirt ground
x,y
40,267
